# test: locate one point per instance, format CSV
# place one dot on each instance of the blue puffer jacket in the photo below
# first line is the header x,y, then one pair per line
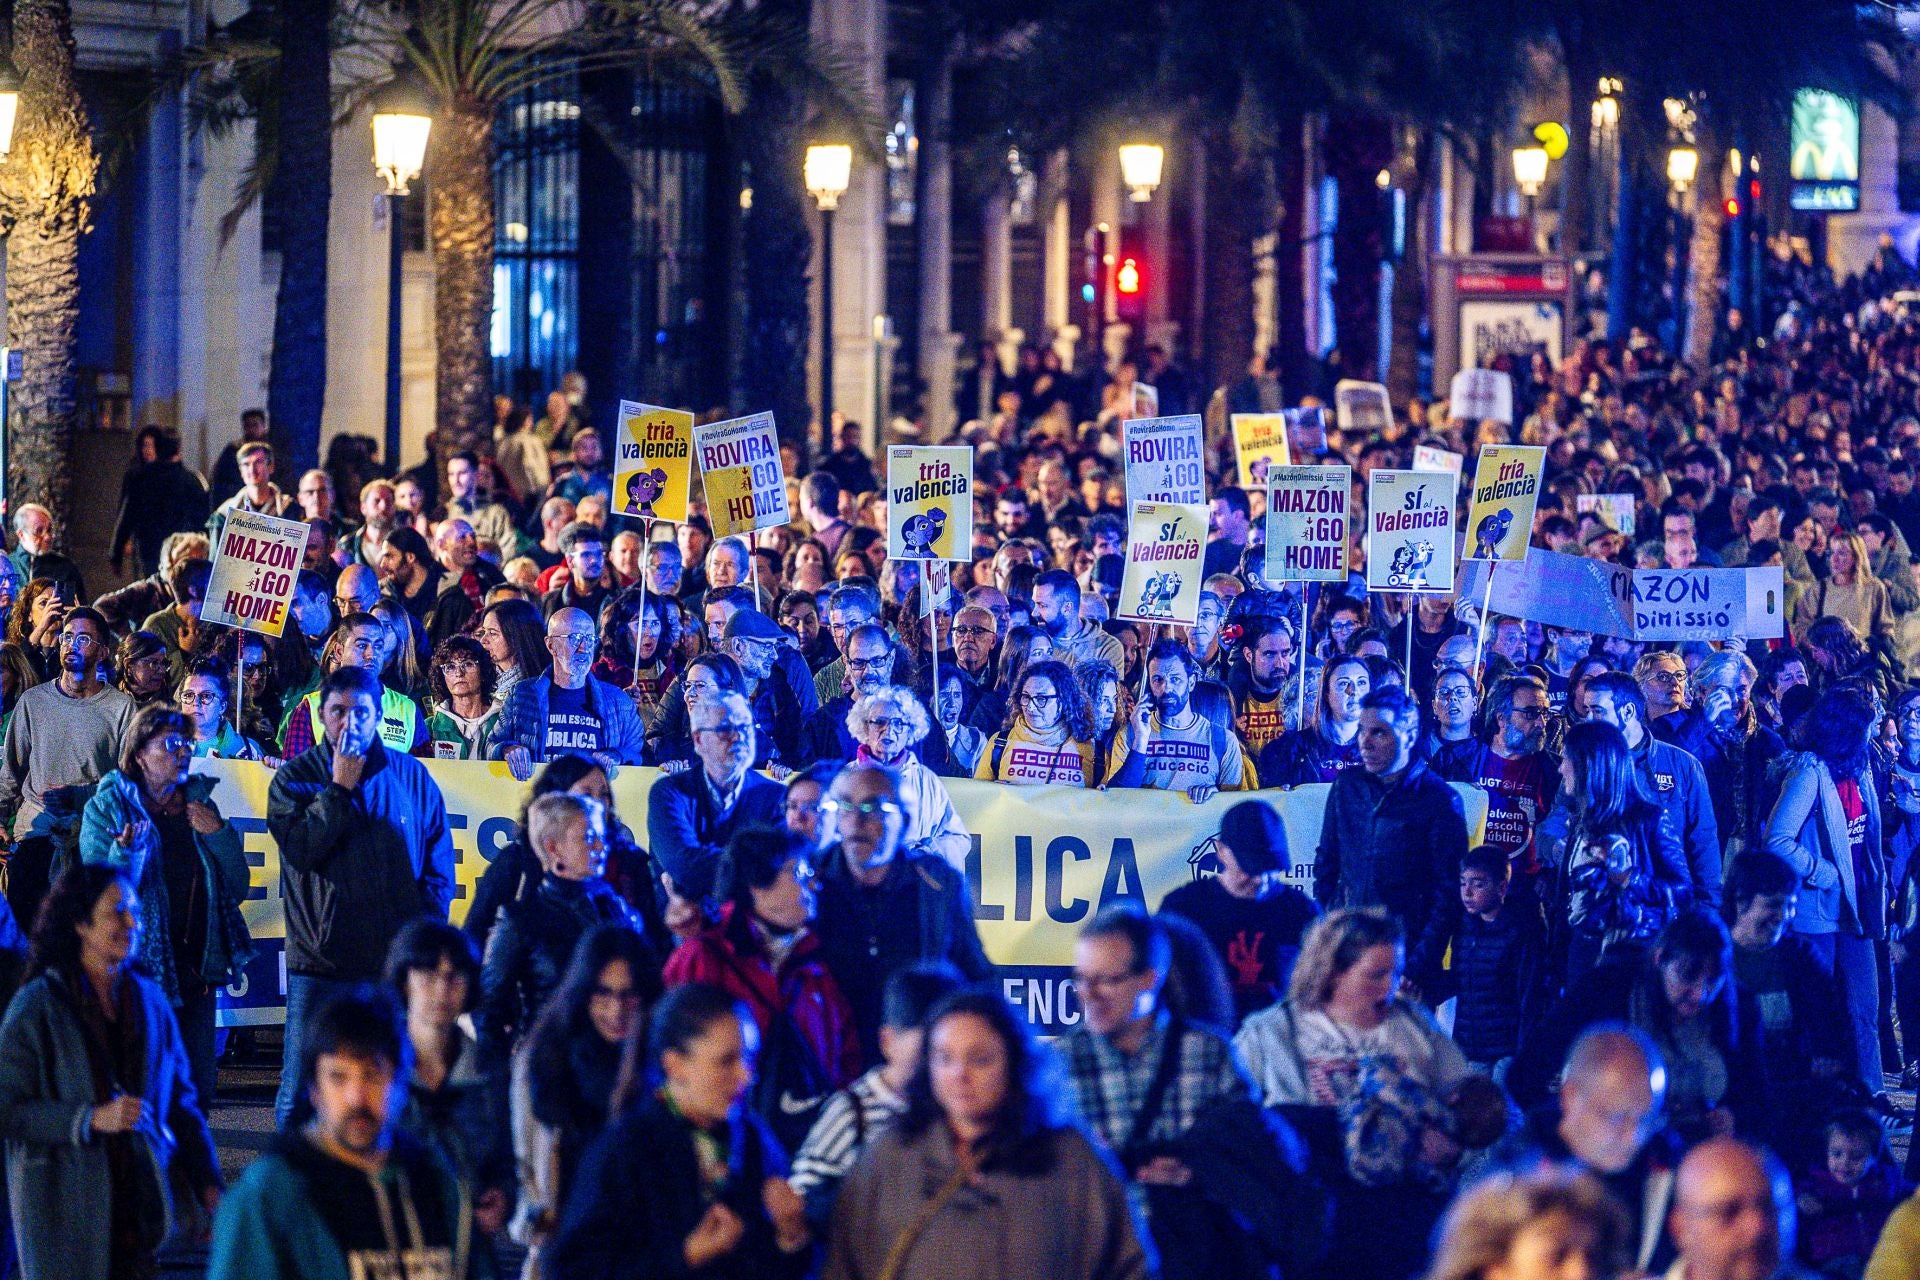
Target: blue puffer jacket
x,y
523,720
116,802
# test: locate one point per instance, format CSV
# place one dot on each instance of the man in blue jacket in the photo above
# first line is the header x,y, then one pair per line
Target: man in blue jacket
x,y
364,849
692,814
570,709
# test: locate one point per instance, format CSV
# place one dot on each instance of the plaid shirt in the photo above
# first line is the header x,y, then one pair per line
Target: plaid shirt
x,y
1109,1088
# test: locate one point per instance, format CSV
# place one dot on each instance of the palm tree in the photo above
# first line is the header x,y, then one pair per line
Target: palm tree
x,y
45,185
303,187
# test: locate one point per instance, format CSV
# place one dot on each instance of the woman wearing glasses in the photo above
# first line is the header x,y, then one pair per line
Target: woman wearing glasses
x,y
150,820
205,698
464,713
888,725
1047,739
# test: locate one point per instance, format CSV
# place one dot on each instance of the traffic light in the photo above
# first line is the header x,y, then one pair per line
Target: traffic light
x,y
1130,288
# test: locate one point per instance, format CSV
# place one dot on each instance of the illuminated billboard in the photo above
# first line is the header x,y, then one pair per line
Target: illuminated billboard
x,y
1825,165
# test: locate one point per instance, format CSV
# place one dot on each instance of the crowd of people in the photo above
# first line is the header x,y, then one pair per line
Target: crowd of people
x,y
1646,1017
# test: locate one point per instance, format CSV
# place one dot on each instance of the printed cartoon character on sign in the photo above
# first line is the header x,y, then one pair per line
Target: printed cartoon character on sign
x,y
1156,598
1410,563
920,532
1490,533
643,490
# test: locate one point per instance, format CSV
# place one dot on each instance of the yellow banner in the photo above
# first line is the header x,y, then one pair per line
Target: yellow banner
x,y
1045,860
653,465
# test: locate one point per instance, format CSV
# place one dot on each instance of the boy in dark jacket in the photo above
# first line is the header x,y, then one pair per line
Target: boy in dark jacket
x,y
1846,1201
1498,947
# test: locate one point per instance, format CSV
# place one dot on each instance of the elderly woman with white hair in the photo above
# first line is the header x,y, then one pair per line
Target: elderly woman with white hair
x,y
887,725
1721,730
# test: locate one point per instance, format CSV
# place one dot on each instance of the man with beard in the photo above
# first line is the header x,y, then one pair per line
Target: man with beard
x,y
1169,744
852,605
1056,608
410,574
691,815
1393,834
1260,680
1734,749
780,708
464,586
568,708
883,907
325,1199
1520,776
872,658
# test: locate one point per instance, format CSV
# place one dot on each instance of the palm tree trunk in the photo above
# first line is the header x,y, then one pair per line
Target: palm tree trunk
x,y
461,224
303,189
1409,297
1703,252
776,246
1233,222
45,184
1357,149
1290,274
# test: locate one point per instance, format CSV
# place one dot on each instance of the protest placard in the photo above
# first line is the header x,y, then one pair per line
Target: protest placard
x,y
1555,590
653,462
1307,523
1259,442
1506,486
1306,431
936,592
1164,459
929,502
740,468
1614,510
1708,604
1410,530
1166,549
1478,395
1362,408
1431,457
254,569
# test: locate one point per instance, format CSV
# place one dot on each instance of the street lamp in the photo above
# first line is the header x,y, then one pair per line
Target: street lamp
x,y
402,120
828,173
1683,165
1530,170
1141,164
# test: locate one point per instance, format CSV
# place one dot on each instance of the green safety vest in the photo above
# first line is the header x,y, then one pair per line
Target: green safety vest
x,y
397,714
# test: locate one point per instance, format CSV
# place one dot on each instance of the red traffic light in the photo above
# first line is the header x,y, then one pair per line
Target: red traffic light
x,y
1127,277
1733,208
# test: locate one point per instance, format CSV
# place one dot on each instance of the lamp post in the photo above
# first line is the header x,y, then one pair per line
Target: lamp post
x,y
10,85
1141,164
829,171
1683,166
1529,171
402,120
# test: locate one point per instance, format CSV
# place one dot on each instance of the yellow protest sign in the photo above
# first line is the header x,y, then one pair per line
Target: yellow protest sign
x,y
1166,548
1259,442
254,569
740,468
1506,485
929,502
653,465
1046,860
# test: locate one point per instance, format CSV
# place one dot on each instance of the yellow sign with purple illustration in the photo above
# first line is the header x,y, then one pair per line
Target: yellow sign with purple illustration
x,y
653,462
1166,553
1506,486
929,502
1259,442
740,468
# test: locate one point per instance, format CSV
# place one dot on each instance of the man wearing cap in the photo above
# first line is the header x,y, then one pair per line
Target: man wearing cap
x,y
1250,914
780,707
569,709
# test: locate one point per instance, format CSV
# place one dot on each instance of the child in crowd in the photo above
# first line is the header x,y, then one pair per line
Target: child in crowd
x,y
1498,948
861,1112
1845,1202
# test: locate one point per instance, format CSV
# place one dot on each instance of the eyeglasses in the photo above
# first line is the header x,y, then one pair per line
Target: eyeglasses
x,y
1666,677
1098,982
865,811
1452,695
208,699
731,729
887,724
869,664
173,744
1038,700
973,631
573,641
80,638
1529,713
457,666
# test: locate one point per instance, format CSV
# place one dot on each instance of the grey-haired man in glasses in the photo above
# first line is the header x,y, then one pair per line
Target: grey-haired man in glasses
x,y
570,709
882,907
691,815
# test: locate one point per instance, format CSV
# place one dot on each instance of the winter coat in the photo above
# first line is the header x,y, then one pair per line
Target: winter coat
x,y
57,1167
1067,1219
1497,977
1716,750
1305,756
523,720
1850,1218
932,825
1398,846
1674,780
223,876
357,865
687,832
731,956
1809,829
638,1196
528,952
463,1120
